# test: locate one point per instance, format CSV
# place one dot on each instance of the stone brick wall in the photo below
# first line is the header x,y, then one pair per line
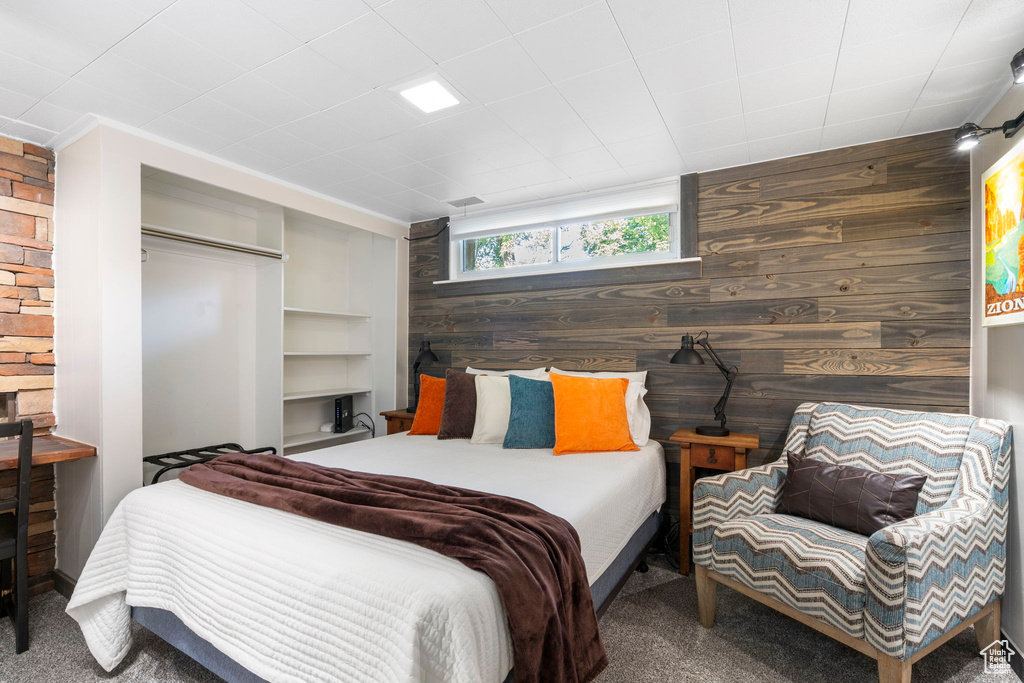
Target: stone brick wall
x,y
26,281
26,330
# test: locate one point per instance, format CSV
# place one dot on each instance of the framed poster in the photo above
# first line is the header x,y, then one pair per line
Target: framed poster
x,y
1004,239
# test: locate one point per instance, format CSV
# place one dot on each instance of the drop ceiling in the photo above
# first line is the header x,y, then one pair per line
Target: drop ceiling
x,y
564,96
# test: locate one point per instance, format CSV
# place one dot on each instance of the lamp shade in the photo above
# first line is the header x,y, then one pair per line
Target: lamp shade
x,y
687,355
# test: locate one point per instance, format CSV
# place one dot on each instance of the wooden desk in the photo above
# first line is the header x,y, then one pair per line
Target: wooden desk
x,y
726,453
46,450
398,420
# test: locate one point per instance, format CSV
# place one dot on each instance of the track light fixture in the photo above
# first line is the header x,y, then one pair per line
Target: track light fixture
x,y
970,134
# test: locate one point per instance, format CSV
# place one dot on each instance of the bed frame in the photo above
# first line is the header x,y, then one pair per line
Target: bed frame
x,y
171,629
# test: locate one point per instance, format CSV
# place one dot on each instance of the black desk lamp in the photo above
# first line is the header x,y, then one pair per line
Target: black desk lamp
x,y
687,355
424,356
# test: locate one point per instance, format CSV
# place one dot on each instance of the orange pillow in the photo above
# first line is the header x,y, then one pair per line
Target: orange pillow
x,y
429,407
590,415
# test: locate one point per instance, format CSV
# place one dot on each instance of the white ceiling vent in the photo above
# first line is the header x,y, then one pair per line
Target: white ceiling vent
x,y
466,201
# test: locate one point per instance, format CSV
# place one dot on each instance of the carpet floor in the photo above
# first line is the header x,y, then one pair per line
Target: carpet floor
x,y
651,634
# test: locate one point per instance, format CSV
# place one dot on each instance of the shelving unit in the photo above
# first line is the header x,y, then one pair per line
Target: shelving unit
x,y
308,438
321,393
330,314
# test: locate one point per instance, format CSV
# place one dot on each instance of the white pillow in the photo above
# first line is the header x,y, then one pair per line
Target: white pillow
x,y
493,405
532,374
637,413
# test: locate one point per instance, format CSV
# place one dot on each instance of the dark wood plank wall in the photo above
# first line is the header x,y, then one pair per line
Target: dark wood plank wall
x,y
839,276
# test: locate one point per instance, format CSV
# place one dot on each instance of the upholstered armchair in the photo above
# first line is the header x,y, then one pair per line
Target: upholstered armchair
x,y
899,593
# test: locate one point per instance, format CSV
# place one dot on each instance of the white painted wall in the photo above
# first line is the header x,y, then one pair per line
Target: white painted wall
x,y
997,368
99,309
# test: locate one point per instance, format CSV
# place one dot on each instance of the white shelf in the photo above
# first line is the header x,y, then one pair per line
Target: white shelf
x,y
293,440
326,314
320,393
327,353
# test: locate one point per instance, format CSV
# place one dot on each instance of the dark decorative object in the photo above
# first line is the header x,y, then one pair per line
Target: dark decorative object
x,y
687,355
424,356
852,498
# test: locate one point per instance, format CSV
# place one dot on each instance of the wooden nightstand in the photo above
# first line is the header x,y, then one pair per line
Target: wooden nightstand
x,y
398,420
726,453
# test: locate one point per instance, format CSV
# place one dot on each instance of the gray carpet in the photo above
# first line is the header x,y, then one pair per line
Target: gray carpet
x,y
651,634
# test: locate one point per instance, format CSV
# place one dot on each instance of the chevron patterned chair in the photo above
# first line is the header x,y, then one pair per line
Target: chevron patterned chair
x,y
904,591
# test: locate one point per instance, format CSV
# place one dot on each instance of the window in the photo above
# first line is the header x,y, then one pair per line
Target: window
x,y
641,226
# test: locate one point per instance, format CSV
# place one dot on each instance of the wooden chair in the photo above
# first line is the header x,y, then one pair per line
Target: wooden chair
x,y
14,535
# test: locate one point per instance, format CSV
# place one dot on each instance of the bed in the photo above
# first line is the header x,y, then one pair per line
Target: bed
x,y
259,594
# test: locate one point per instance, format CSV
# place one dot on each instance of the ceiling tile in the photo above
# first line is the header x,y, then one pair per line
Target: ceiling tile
x,y
562,139
782,146
872,20
375,156
519,15
163,51
373,50
628,124
23,131
49,116
791,83
495,72
324,131
78,96
376,185
127,79
505,153
186,134
473,128
257,97
575,43
506,197
445,28
916,52
721,133
719,157
313,78
446,190
489,182
647,149
374,115
325,170
535,172
13,105
865,130
875,100
282,145
414,175
586,161
555,188
989,29
653,170
219,119
710,103
939,117
603,179
693,64
796,32
50,48
231,29
250,158
600,92
654,24
313,18
787,119
104,21
26,78
419,143
543,108
964,82
459,165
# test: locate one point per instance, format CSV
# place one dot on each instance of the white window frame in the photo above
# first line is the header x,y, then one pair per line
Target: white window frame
x,y
456,255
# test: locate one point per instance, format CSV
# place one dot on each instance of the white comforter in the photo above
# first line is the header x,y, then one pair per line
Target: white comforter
x,y
292,599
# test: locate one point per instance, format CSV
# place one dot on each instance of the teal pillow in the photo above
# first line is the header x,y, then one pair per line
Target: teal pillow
x,y
531,420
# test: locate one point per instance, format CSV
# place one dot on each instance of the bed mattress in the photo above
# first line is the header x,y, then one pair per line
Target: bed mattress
x,y
292,599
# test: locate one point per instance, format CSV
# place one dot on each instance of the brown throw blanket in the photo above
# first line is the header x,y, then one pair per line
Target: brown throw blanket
x,y
532,556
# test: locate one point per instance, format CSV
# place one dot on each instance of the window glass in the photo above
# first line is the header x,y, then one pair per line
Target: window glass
x,y
527,248
632,235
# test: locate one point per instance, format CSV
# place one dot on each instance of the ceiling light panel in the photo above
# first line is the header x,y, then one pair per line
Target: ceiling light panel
x,y
430,97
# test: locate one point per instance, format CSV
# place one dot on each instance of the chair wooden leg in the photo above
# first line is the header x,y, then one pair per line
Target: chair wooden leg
x,y
707,589
987,629
3,585
892,670
21,603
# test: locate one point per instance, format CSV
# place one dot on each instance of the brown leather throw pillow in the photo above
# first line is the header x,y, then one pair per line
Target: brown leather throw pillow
x,y
850,498
459,413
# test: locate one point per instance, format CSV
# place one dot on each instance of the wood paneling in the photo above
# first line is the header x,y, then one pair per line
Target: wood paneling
x,y
837,276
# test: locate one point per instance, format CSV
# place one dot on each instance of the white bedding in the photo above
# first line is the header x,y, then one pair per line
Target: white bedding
x,y
292,599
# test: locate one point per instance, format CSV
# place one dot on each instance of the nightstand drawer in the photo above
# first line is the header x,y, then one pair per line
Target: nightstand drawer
x,y
712,457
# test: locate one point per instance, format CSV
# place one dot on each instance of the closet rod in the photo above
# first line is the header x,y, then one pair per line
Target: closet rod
x,y
211,243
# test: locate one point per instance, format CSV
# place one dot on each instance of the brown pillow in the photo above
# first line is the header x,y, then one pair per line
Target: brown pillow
x,y
459,413
850,498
